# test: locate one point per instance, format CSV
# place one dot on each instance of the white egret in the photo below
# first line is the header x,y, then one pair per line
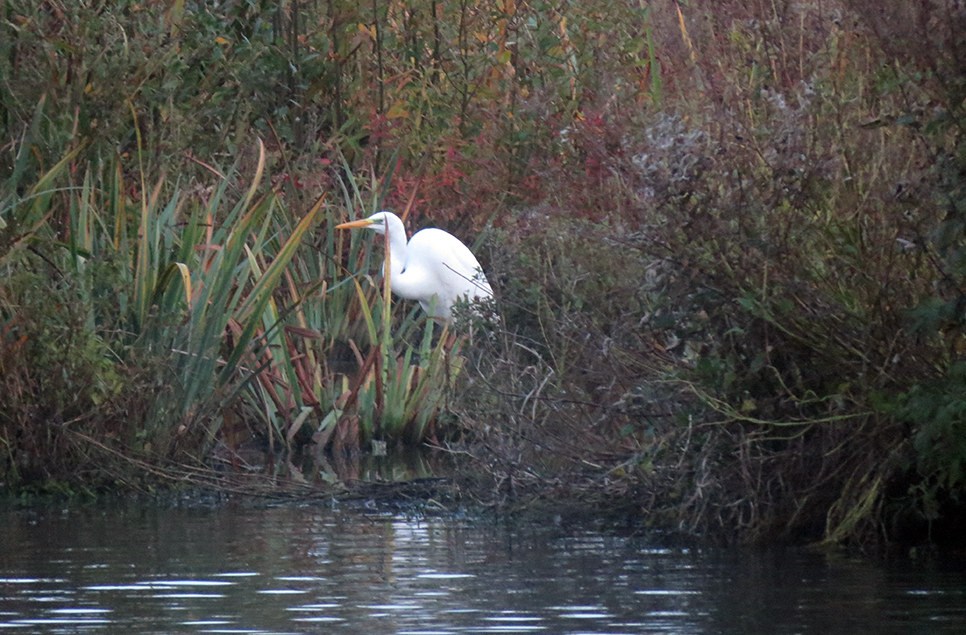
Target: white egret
x,y
433,264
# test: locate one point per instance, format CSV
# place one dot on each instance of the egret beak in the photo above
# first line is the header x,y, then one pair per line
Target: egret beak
x,y
365,222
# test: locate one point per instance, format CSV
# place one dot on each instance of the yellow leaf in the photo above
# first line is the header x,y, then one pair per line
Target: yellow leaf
x,y
221,40
481,37
398,111
185,280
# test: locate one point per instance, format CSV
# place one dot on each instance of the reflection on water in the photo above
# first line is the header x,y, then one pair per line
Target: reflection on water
x,y
312,570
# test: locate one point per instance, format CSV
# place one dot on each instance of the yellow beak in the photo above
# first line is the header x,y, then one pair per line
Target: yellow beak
x,y
365,222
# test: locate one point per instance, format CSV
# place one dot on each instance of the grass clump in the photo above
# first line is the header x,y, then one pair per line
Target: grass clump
x,y
171,330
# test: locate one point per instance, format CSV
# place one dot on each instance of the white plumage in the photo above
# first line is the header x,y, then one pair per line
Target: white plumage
x,y
434,263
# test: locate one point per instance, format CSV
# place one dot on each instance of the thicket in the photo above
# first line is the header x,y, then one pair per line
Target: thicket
x,y
727,241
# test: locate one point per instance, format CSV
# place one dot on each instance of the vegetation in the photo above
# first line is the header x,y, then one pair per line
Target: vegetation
x,y
727,242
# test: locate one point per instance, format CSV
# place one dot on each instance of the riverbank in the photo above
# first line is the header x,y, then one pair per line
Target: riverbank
x,y
726,247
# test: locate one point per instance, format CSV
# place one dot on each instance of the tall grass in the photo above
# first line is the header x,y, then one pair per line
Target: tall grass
x,y
212,298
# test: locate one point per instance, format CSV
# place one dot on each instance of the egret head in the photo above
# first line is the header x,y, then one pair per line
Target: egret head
x,y
378,223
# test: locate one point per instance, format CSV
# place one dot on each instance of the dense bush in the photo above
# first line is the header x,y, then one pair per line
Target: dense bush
x,y
781,244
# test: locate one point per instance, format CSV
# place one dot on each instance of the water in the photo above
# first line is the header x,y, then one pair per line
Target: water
x,y
315,570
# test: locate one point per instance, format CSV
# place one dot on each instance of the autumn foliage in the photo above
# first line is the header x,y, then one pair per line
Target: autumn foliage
x,y
726,239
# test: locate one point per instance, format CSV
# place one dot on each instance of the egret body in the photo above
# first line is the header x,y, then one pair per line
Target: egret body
x,y
433,264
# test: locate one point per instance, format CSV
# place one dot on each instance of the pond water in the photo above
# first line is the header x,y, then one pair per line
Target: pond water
x,y
300,569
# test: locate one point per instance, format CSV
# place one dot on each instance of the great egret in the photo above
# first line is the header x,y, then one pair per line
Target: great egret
x,y
433,264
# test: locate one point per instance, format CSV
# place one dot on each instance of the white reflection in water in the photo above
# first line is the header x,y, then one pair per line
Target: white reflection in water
x,y
181,596
48,621
80,610
507,629
154,584
434,575
236,574
204,622
312,607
